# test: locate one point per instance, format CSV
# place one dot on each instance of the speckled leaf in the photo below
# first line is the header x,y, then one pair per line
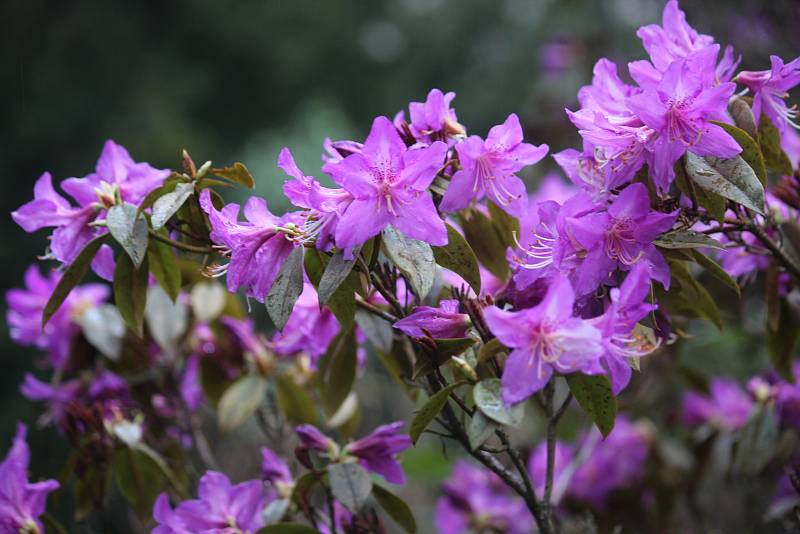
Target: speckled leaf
x,y
593,393
687,239
351,484
730,178
286,289
429,411
129,228
459,257
414,259
488,396
751,152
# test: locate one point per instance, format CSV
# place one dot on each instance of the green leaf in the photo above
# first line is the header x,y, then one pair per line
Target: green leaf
x,y
129,228
483,237
288,528
286,289
593,393
303,486
488,396
396,508
351,485
169,185
687,296
240,401
446,348
71,277
480,429
138,478
782,340
743,116
414,259
751,152
296,404
490,349
378,331
459,257
714,204
336,272
130,292
505,225
52,525
429,411
770,140
164,267
730,178
758,441
168,205
342,302
682,239
337,370
236,173
714,269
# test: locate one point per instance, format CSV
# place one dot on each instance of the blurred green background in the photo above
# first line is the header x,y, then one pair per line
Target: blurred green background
x,y
239,80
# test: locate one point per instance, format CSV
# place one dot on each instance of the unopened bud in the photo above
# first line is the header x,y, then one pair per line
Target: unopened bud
x,y
188,165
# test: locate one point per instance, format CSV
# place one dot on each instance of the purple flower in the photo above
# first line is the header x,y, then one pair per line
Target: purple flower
x,y
190,387
309,328
325,205
222,508
257,248
442,322
25,307
378,451
475,499
116,174
389,184
489,168
546,339
273,469
621,237
546,247
726,407
434,119
21,502
312,438
678,109
56,397
614,463
620,342
771,88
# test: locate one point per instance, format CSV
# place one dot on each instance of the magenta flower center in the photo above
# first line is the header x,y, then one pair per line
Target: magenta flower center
x,y
621,242
679,126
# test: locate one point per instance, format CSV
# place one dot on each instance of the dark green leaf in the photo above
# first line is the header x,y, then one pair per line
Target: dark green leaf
x,y
688,297
593,393
714,269
378,331
687,239
168,205
237,173
743,116
770,140
240,401
459,257
480,429
303,486
730,178
488,396
52,525
286,289
757,441
130,292
490,349
165,269
337,370
482,236
714,204
342,302
138,478
351,484
446,348
782,340
288,528
429,411
414,259
396,508
505,225
129,228
296,404
751,152
71,277
335,273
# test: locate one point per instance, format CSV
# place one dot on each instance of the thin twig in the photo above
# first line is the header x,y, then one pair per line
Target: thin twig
x,y
386,316
182,246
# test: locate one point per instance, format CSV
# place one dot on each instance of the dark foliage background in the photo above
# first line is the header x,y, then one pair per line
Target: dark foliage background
x,y
239,80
